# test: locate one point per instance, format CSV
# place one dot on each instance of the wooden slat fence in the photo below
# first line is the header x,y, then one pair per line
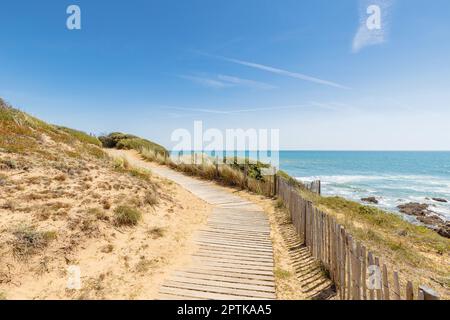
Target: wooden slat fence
x,y
355,271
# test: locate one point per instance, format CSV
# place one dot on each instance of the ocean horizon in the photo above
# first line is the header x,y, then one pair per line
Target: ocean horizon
x,y
392,177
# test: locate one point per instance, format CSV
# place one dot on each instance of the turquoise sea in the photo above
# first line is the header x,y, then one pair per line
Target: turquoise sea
x,y
392,177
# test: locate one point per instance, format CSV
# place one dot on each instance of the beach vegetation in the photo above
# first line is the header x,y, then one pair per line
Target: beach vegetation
x,y
127,216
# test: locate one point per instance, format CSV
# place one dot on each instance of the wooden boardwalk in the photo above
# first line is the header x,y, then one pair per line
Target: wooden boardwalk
x,y
234,259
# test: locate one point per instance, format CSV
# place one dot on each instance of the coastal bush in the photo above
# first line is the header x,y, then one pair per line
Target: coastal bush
x,y
254,169
120,140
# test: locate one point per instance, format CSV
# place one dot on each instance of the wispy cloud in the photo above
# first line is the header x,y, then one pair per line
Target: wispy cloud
x,y
364,36
225,81
207,82
283,72
325,106
245,82
234,111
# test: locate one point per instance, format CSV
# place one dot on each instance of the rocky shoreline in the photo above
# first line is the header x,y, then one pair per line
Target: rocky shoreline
x,y
423,213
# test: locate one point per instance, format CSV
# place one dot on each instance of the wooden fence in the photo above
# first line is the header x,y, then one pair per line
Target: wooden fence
x,y
356,272
314,186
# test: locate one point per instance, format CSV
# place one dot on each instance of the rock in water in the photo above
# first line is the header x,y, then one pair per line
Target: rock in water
x,y
370,200
440,200
414,209
427,217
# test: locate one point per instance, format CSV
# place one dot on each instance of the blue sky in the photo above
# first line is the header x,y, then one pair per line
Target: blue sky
x,y
150,67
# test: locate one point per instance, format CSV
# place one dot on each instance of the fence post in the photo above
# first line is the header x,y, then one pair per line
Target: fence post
x,y
245,175
275,183
217,166
344,257
396,289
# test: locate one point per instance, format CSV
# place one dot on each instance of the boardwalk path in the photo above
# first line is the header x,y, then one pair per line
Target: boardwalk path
x,y
234,259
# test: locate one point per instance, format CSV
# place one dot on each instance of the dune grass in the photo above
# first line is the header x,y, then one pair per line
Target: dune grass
x,y
23,134
81,136
127,216
28,241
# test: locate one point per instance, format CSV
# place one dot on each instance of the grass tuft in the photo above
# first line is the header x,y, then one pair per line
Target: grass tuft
x,y
28,241
157,232
151,198
127,216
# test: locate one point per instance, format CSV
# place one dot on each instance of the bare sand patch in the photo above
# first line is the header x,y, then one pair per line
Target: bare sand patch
x,y
54,214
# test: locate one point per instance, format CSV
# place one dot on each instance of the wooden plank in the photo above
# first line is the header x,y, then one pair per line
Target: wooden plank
x,y
409,291
396,289
234,261
349,264
371,263
235,270
232,256
358,271
379,292
232,237
264,241
225,284
237,250
386,295
228,273
241,293
234,266
243,229
218,244
364,272
233,279
342,263
171,297
200,294
243,243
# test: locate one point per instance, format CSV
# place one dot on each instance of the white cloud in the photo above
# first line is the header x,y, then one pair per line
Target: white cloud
x,y
364,36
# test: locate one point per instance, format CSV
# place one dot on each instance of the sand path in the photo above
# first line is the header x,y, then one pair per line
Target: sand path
x,y
234,256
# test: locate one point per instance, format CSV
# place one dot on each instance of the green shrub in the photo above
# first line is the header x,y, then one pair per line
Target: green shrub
x,y
127,141
127,216
254,170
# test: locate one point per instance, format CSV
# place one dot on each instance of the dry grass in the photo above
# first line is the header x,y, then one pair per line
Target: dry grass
x,y
28,241
157,232
127,216
225,174
66,189
151,198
